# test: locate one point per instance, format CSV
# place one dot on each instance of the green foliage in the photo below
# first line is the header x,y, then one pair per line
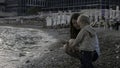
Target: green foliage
x,y
33,10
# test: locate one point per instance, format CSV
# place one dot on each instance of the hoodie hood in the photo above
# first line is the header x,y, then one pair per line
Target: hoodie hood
x,y
90,30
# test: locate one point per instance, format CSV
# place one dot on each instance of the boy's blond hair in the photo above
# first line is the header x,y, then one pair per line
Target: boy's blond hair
x,y
84,19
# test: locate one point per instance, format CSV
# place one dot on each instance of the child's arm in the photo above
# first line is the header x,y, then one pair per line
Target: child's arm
x,y
79,38
71,41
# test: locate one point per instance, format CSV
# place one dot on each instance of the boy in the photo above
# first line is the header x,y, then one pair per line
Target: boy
x,y
86,42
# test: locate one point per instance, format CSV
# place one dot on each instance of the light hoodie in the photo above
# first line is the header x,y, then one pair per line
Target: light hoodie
x,y
87,40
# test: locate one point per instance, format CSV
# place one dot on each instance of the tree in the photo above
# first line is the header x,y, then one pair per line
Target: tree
x,y
33,10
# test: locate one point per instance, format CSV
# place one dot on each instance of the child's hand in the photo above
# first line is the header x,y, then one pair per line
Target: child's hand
x,y
71,41
73,48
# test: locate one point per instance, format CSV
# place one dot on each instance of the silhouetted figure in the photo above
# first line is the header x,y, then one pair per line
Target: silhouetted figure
x,y
74,30
117,25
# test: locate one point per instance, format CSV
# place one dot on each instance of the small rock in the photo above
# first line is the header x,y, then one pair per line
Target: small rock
x,y
51,50
117,51
117,57
46,41
28,61
21,54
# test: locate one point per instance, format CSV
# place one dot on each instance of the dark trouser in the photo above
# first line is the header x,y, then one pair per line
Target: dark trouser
x,y
87,57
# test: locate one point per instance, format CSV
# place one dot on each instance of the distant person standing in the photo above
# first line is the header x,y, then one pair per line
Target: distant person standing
x,y
117,25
